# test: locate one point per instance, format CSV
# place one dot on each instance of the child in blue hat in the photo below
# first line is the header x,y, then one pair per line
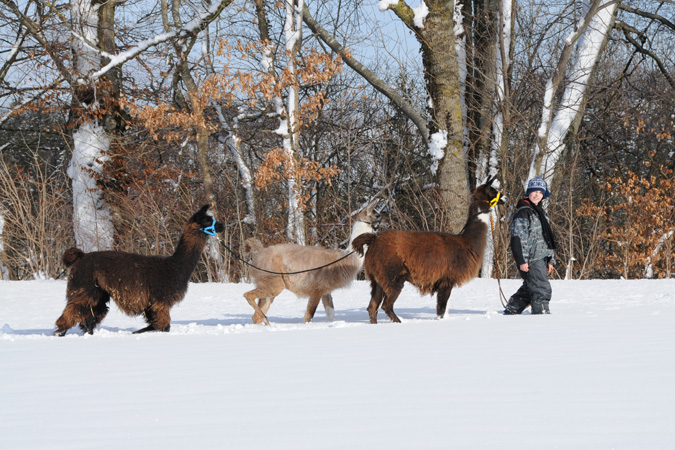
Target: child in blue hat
x,y
532,245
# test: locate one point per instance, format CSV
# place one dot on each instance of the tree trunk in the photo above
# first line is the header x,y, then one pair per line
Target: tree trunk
x,y
442,79
436,36
481,86
92,222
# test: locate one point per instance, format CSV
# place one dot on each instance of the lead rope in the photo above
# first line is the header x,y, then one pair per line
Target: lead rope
x,y
238,257
502,297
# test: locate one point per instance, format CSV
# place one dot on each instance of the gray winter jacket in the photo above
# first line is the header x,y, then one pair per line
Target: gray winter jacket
x,y
527,237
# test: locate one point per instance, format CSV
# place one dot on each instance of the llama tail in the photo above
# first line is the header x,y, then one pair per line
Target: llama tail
x,y
71,256
362,240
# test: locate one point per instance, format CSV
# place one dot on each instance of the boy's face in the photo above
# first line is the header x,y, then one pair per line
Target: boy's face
x,y
535,197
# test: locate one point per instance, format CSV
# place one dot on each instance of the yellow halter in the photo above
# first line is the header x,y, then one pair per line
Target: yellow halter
x,y
494,201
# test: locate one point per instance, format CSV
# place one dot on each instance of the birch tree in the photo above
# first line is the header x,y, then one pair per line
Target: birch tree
x,y
94,78
92,221
572,75
289,128
495,110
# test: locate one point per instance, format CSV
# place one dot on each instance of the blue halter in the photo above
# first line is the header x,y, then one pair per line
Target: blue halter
x,y
211,229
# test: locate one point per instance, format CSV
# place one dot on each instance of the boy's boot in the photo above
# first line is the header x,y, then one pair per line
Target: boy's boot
x,y
537,307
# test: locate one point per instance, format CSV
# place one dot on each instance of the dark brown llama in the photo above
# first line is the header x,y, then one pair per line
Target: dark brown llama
x,y
139,284
434,262
316,284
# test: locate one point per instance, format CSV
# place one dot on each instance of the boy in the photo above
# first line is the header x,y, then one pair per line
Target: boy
x,y
532,245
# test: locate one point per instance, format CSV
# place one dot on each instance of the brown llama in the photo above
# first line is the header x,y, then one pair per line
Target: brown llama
x,y
139,284
434,262
316,284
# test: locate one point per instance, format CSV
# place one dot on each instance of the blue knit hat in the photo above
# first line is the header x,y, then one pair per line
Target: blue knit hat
x,y
537,184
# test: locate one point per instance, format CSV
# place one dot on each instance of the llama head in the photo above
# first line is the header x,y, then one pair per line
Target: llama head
x,y
371,217
205,222
485,197
368,221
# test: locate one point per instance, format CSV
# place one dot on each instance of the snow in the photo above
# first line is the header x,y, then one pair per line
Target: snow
x,y
293,25
437,143
596,374
85,17
420,14
383,5
193,25
91,218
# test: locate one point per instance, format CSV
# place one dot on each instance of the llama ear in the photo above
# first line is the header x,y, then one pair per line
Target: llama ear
x,y
199,215
490,179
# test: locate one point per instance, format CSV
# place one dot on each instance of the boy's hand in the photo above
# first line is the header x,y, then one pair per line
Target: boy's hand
x,y
550,269
524,267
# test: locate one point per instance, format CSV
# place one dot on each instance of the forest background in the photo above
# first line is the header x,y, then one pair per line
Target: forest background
x,y
118,119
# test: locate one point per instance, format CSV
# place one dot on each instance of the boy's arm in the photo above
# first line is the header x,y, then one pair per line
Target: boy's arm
x,y
520,231
517,250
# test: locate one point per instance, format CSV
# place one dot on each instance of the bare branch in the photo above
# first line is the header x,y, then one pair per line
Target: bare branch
x,y
34,30
648,15
627,30
368,75
192,28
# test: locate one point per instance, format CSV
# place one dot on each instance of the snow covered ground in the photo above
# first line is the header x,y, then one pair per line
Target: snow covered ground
x,y
599,373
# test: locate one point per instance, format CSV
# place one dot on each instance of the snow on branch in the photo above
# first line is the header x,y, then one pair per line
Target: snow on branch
x,y
193,27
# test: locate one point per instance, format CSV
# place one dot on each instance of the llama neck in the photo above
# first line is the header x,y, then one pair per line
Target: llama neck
x,y
358,229
188,251
476,229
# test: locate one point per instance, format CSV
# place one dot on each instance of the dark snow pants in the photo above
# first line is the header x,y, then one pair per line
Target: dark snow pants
x,y
535,291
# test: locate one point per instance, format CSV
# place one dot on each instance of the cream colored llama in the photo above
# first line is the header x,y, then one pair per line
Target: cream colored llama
x,y
316,284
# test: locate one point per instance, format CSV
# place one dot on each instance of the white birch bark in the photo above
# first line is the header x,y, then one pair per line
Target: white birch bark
x,y
288,128
649,269
92,222
590,37
488,168
233,144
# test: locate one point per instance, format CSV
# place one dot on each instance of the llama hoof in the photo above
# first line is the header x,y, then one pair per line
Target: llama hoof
x,y
330,314
151,328
257,320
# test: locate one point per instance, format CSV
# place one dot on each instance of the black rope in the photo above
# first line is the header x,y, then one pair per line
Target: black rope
x,y
237,256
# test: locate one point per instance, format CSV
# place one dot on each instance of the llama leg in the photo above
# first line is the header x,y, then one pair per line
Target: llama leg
x,y
264,304
389,299
158,318
162,317
311,307
327,301
442,301
69,318
376,296
96,313
250,297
